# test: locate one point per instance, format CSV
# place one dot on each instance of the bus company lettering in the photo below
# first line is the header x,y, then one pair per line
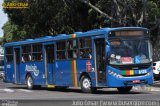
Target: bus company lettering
x,y
32,69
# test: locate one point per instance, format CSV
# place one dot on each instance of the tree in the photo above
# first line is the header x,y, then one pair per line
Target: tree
x,y
128,12
12,32
52,17
49,17
132,13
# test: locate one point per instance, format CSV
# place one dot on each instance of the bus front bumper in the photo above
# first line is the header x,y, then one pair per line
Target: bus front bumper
x,y
114,81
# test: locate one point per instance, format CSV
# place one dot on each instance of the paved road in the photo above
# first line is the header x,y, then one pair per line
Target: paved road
x,y
17,92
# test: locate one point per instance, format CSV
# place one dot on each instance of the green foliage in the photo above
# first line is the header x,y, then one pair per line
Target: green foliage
x,y
13,32
51,17
153,11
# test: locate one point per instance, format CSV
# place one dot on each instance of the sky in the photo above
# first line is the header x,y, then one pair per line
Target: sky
x,y
3,18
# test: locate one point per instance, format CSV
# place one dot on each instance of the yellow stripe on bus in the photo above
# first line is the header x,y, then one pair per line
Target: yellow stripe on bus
x,y
131,72
74,73
50,86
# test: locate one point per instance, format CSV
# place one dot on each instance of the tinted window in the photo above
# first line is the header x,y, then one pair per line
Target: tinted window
x,y
26,53
37,52
85,50
72,49
61,50
9,54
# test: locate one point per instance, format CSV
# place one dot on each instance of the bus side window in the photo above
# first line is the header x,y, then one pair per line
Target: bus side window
x,y
37,52
61,50
9,54
85,50
23,59
26,53
72,49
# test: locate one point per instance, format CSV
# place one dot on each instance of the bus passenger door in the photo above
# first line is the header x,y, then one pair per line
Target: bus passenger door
x,y
17,65
100,60
49,63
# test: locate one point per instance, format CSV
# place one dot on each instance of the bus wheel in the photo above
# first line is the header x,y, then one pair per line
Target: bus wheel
x,y
124,89
85,83
29,81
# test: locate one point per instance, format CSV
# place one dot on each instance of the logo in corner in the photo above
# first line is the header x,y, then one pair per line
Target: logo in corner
x,y
15,5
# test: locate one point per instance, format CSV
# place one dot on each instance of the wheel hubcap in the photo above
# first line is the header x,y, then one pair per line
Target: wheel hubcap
x,y
86,83
29,82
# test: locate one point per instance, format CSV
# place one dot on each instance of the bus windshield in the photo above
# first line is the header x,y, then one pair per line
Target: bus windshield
x,y
129,51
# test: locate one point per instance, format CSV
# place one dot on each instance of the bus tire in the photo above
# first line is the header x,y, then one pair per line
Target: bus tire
x,y
29,81
86,85
124,89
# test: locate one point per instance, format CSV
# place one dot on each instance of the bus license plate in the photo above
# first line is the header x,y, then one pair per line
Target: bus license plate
x,y
136,81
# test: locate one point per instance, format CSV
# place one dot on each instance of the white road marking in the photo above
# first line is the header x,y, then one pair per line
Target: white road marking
x,y
15,90
8,90
155,89
25,90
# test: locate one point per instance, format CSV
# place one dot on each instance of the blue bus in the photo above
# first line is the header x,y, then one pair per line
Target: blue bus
x,y
108,57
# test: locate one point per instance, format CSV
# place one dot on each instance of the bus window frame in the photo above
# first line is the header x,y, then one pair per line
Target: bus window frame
x,y
40,52
72,49
84,48
29,54
9,54
63,50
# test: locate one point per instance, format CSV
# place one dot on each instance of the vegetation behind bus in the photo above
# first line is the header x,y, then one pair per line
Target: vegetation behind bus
x,y
73,15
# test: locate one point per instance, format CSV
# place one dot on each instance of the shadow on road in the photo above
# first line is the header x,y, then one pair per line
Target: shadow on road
x,y
71,90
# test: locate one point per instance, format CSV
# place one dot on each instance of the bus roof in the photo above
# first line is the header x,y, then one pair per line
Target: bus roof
x,y
65,36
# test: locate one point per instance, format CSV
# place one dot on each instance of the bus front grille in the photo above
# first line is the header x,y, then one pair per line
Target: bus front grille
x,y
133,75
